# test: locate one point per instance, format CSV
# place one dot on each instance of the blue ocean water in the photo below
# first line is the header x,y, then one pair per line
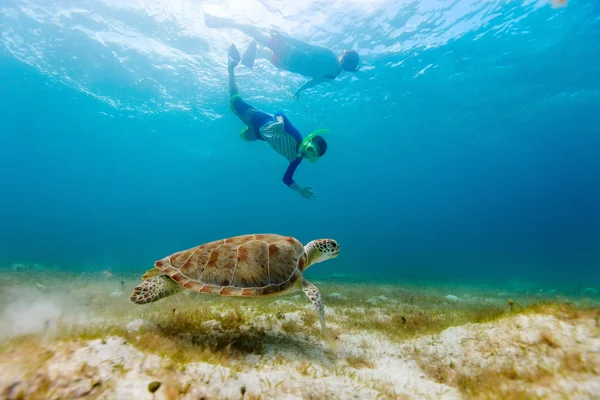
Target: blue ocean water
x,y
465,148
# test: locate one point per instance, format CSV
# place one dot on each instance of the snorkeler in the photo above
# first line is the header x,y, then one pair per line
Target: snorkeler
x,y
276,130
289,54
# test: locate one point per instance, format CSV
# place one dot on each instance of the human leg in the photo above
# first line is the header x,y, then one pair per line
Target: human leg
x,y
243,110
233,61
263,45
260,35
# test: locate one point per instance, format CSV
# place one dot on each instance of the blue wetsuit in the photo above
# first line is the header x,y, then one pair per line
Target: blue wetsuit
x,y
286,143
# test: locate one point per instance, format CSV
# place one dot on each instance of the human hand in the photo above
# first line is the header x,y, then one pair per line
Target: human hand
x,y
308,193
274,129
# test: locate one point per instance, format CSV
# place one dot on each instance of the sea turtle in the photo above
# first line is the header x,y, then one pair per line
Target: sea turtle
x,y
246,266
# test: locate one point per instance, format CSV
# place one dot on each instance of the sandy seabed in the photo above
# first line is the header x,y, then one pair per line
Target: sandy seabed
x,y
66,336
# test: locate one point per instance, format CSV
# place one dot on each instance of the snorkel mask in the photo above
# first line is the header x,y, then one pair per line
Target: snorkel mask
x,y
308,148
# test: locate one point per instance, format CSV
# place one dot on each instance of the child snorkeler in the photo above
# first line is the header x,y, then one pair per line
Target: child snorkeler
x,y
276,130
317,62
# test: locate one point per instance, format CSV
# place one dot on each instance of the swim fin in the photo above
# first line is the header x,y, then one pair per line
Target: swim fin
x,y
250,54
234,55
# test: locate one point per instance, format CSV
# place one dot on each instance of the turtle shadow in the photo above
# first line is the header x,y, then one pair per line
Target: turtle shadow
x,y
240,343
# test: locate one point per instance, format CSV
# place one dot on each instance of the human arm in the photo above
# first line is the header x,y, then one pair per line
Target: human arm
x,y
306,192
307,85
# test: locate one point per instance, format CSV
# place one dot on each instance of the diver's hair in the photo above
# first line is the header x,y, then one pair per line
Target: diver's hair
x,y
350,60
321,144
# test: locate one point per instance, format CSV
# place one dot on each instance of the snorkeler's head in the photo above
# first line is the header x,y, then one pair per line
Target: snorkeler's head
x,y
314,148
349,60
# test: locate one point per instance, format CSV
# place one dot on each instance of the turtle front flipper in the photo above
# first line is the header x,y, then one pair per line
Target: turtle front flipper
x,y
154,289
315,297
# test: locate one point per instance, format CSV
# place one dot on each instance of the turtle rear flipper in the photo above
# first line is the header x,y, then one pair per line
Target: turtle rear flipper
x,y
154,289
151,272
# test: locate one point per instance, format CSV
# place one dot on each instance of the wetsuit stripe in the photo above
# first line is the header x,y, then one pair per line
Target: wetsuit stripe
x,y
283,143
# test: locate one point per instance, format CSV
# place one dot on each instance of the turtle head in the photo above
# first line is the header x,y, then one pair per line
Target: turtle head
x,y
320,250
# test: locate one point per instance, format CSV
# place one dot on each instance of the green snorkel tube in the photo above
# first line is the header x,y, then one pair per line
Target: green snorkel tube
x,y
307,141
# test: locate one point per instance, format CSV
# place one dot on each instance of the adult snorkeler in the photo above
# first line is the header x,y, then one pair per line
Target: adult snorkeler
x,y
314,61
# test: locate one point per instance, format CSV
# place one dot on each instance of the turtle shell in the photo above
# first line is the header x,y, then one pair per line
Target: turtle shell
x,y
247,265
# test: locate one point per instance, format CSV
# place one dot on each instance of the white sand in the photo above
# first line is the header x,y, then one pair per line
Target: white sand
x,y
113,369
360,365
